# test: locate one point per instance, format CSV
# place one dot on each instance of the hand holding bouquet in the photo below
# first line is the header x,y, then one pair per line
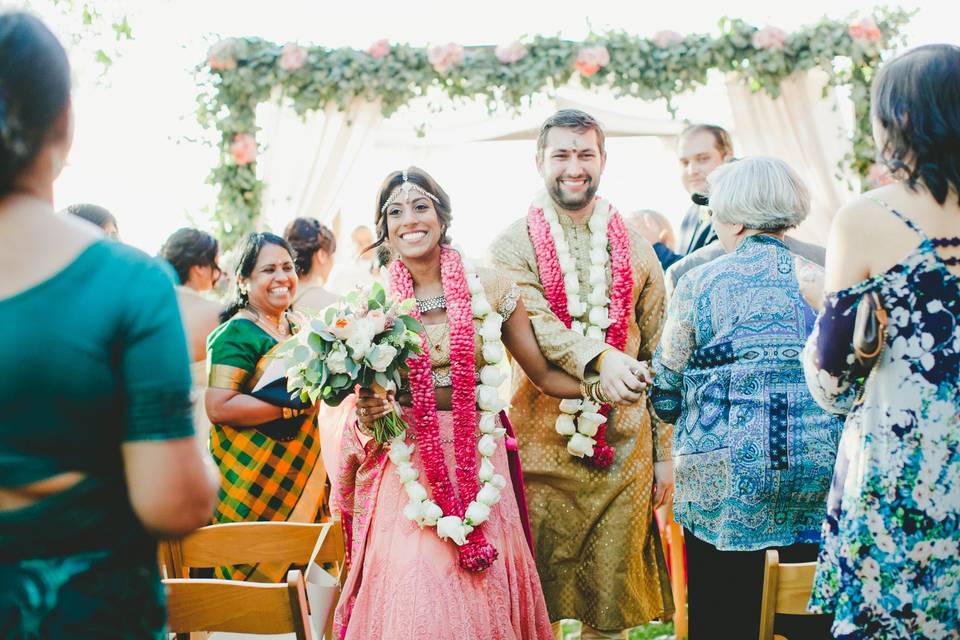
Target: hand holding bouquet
x,y
364,340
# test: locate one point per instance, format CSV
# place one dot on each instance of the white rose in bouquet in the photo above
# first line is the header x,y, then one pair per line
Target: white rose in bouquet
x,y
486,471
337,359
488,400
361,341
487,445
381,356
452,527
491,376
488,495
476,514
431,512
565,425
580,445
379,320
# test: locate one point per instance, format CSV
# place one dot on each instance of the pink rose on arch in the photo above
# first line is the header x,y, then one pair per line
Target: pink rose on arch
x,y
510,53
243,148
444,56
879,175
865,30
592,59
379,49
769,38
292,57
220,56
666,38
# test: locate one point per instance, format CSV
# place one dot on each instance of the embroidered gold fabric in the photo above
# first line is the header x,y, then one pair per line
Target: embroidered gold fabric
x,y
223,376
502,295
598,548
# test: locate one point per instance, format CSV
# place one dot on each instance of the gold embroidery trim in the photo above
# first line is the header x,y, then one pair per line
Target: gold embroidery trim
x,y
223,376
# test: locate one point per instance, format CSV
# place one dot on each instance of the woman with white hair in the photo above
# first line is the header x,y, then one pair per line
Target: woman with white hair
x,y
753,453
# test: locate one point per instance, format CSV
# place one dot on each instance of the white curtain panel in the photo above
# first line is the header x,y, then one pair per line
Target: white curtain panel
x,y
306,162
804,128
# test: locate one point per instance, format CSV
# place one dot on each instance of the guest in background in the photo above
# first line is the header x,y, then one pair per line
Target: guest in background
x,y
701,148
753,453
653,224
266,452
95,214
313,247
98,456
363,269
194,256
890,564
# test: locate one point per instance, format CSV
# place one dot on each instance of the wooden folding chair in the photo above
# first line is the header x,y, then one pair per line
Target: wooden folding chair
x,y
786,589
287,543
282,543
239,607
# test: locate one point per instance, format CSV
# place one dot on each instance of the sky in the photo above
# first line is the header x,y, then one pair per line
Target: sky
x,y
139,152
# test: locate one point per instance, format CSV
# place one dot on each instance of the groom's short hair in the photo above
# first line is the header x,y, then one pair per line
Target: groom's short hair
x,y
575,119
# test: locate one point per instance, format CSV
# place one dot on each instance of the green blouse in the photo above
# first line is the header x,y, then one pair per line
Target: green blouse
x,y
93,357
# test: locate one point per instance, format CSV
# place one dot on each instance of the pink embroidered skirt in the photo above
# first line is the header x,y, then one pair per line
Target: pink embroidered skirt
x,y
409,584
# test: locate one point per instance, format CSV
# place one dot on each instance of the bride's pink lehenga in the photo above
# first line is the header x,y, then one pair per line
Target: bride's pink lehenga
x,y
404,582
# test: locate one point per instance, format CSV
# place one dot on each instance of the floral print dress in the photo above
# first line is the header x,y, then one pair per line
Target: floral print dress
x,y
889,565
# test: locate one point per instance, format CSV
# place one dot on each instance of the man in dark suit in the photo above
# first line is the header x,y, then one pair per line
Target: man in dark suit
x,y
701,149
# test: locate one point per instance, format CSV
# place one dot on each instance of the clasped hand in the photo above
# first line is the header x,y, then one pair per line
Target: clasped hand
x,y
624,379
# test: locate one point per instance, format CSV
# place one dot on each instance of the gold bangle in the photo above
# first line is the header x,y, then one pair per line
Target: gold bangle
x,y
585,389
599,360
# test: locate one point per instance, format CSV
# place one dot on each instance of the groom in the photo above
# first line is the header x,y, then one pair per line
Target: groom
x,y
594,292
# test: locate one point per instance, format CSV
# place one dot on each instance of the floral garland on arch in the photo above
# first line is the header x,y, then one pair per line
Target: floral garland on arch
x,y
456,519
243,72
583,421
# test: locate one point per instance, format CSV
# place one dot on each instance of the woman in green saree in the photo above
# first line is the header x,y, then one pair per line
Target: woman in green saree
x,y
265,444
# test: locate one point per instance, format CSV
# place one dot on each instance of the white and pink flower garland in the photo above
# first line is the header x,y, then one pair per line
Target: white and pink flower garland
x,y
582,420
466,300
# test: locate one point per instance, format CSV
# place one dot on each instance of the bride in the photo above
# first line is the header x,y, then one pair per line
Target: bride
x,y
458,564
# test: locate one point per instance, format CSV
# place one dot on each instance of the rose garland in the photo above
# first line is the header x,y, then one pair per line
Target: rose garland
x,y
582,420
466,300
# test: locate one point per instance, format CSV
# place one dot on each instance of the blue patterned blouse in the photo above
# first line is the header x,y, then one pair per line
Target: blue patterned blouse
x,y
753,453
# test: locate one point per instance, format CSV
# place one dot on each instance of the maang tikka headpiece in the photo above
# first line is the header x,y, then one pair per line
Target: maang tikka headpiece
x,y
403,190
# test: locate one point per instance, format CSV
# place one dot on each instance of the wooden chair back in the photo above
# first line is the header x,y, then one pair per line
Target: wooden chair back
x,y
786,589
238,607
286,543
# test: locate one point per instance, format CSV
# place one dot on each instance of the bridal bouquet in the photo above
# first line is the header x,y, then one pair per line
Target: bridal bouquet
x,y
364,340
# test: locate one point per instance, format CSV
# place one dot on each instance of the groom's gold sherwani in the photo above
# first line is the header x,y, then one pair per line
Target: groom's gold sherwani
x,y
597,546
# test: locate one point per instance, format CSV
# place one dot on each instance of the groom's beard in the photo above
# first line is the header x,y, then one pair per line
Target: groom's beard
x,y
571,201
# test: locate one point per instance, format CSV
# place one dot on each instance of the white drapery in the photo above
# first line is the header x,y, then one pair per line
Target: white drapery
x,y
307,162
804,128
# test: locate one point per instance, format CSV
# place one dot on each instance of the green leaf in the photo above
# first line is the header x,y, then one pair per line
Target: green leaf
x,y
339,381
317,343
330,314
411,324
